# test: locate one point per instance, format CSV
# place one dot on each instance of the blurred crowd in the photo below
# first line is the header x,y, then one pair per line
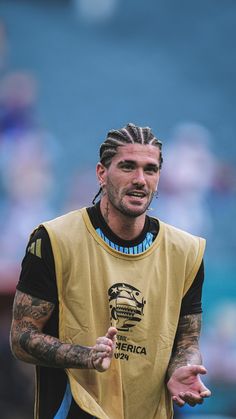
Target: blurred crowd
x,y
27,157
196,188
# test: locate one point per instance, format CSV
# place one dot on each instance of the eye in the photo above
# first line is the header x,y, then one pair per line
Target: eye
x,y
127,166
151,169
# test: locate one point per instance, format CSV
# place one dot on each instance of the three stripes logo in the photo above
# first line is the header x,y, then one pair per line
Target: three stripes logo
x,y
35,248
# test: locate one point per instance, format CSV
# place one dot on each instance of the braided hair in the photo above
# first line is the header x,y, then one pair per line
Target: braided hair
x,y
130,134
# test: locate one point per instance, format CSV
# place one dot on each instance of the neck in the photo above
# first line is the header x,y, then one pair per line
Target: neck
x,y
124,226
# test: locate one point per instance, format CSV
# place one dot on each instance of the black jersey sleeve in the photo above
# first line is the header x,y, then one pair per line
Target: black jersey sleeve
x,y
37,276
192,301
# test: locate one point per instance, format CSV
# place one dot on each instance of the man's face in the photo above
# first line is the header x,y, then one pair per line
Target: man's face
x,y
131,179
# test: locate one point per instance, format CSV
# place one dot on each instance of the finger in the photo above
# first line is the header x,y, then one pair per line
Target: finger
x,y
205,393
101,346
203,390
192,402
178,401
100,355
101,365
104,340
191,398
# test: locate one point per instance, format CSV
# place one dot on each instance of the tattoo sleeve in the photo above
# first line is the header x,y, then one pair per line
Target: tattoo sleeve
x,y
186,346
30,344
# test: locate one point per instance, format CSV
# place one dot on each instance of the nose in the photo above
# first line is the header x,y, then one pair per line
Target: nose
x,y
139,177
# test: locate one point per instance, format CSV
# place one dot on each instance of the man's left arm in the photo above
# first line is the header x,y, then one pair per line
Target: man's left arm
x,y
183,374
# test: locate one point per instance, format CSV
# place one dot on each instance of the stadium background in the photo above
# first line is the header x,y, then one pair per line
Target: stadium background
x,y
70,71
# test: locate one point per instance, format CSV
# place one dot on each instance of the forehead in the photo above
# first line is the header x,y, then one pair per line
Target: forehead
x,y
137,152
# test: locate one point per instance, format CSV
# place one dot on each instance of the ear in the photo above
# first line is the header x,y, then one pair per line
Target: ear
x,y
101,173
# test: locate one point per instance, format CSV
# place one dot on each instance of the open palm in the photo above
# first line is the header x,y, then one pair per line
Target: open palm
x,y
185,385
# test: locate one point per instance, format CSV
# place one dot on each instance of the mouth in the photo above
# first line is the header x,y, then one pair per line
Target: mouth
x,y
137,194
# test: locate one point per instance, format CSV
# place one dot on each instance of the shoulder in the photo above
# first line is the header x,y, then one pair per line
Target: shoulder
x,y
38,241
69,222
67,231
181,237
39,233
184,246
64,218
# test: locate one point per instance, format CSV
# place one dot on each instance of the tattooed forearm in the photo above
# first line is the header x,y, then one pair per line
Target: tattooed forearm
x,y
186,347
50,352
16,332
30,344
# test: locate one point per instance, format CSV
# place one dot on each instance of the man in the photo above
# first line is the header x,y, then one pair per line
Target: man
x,y
112,271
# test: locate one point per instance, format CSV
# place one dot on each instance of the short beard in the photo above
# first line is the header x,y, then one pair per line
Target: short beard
x,y
126,211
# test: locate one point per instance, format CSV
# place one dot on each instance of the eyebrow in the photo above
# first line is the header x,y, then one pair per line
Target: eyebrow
x,y
133,162
126,161
153,166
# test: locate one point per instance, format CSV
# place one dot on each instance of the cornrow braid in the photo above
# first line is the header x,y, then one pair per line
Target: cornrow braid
x,y
126,135
130,134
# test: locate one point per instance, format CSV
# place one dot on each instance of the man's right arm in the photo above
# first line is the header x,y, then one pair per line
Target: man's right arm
x,y
30,344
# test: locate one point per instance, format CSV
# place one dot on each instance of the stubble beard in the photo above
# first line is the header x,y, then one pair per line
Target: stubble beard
x,y
119,205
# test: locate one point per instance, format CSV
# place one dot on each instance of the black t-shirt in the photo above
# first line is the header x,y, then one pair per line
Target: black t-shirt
x,y
38,278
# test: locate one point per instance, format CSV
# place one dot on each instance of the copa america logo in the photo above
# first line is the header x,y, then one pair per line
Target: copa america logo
x,y
126,305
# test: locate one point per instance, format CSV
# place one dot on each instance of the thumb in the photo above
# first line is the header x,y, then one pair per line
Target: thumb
x,y
198,369
111,333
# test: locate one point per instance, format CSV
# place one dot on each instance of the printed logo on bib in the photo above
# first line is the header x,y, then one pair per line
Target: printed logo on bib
x,y
126,306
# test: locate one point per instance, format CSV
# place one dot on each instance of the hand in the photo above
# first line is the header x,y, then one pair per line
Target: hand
x,y
102,353
185,385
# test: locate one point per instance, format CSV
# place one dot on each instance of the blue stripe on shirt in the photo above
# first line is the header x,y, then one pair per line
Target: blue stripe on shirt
x,y
146,243
65,404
